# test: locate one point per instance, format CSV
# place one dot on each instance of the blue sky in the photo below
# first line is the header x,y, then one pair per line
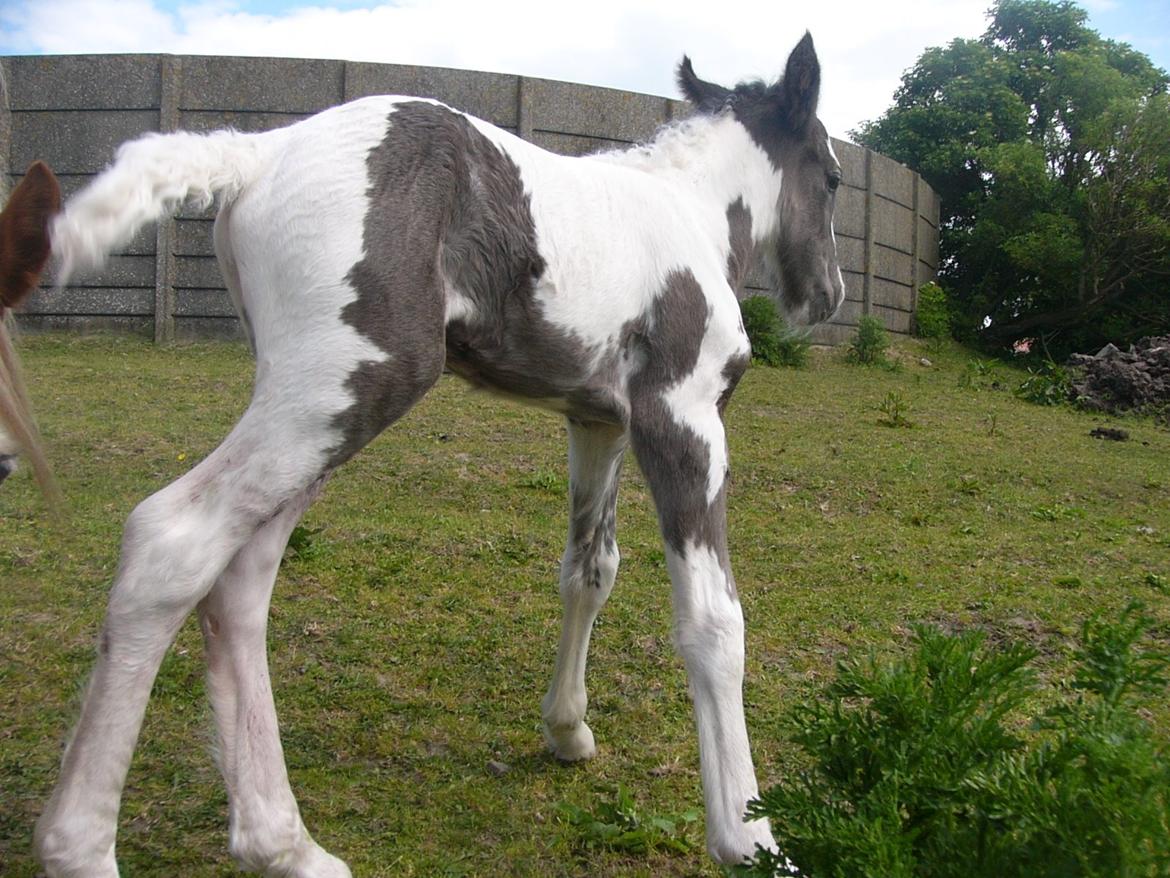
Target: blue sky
x,y
630,44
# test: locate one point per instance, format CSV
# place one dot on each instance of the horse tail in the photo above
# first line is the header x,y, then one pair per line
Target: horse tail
x,y
24,250
149,179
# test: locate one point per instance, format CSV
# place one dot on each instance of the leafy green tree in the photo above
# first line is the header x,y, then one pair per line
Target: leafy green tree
x,y
1050,149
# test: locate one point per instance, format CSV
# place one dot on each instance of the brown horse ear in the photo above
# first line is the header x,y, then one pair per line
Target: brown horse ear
x,y
24,233
706,96
801,86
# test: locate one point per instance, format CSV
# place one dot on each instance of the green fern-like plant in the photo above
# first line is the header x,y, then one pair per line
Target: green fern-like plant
x,y
924,768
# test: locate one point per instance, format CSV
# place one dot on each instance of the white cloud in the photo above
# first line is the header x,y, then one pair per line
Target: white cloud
x,y
630,44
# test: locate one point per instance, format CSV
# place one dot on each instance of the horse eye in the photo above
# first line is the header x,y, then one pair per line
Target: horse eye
x,y
834,181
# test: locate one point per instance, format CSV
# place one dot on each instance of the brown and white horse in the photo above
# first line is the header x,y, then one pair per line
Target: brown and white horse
x,y
24,250
370,246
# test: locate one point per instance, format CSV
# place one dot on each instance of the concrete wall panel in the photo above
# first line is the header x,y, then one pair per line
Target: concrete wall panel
x,y
266,85
75,142
490,96
893,181
83,82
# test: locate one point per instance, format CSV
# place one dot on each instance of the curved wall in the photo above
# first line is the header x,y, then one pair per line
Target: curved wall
x,y
74,110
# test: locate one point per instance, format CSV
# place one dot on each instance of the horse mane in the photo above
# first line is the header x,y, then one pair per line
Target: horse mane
x,y
669,146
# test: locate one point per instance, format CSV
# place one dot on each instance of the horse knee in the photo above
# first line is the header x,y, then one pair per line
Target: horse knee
x,y
589,572
709,633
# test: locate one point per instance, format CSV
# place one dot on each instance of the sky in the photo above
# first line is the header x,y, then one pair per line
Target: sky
x,y
864,46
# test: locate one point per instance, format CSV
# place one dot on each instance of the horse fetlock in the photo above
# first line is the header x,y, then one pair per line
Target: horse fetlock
x,y
733,844
311,861
74,849
570,743
293,855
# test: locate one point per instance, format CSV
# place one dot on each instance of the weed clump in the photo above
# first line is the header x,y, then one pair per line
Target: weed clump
x,y
773,343
893,409
1051,384
926,766
620,825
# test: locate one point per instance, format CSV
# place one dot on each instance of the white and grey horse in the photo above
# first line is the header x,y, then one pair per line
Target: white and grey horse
x,y
368,247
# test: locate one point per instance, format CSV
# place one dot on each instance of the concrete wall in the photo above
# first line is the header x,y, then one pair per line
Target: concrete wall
x,y
74,110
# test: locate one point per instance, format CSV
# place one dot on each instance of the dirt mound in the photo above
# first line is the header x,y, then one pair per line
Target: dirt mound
x,y
1113,380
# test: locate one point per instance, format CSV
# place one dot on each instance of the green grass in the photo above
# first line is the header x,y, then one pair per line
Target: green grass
x,y
413,629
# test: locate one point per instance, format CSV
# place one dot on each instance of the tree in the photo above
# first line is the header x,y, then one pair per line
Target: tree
x,y
1049,147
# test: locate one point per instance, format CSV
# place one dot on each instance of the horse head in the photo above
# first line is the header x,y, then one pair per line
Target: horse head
x,y
799,250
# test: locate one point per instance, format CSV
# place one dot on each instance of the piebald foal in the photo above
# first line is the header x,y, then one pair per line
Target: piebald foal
x,y
367,247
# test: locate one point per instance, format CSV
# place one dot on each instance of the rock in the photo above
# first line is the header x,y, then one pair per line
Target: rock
x,y
923,361
498,769
1115,381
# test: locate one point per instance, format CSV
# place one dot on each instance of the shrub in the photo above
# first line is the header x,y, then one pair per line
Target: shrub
x,y
920,767
932,317
773,343
870,344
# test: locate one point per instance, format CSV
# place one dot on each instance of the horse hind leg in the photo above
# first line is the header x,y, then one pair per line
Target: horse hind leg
x,y
175,546
588,571
266,833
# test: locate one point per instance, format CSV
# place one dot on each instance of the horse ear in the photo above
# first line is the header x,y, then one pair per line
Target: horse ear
x,y
706,96
801,86
24,233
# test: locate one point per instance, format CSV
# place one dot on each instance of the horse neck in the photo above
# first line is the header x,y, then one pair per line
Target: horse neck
x,y
714,158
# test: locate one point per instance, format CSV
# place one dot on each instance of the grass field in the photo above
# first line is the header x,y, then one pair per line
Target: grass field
x,y
414,625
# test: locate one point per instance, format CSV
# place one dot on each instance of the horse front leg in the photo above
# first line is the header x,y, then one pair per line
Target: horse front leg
x,y
588,570
685,462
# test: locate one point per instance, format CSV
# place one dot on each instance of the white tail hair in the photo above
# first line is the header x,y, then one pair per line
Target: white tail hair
x,y
149,179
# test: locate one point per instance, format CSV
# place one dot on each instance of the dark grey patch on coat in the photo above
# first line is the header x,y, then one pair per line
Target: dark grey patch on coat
x,y
733,370
740,244
415,176
490,256
673,457
448,211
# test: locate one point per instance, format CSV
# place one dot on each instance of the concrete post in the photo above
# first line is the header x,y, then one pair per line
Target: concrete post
x,y
523,109
5,131
870,236
915,252
170,85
